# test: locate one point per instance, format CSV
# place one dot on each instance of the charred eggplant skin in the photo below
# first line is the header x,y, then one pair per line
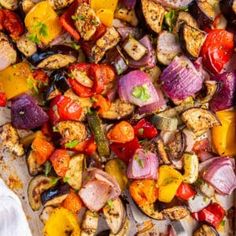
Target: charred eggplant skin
x,y
54,192
41,55
191,40
226,7
202,19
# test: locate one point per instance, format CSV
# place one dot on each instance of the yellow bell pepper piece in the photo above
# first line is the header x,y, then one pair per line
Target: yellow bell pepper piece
x,y
43,23
168,182
60,222
106,16
16,79
224,136
104,4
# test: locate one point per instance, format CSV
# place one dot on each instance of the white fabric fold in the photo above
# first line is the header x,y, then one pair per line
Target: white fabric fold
x,y
13,221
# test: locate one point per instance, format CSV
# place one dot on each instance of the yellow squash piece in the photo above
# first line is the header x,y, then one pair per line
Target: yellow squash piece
x,y
224,136
43,23
104,4
117,169
61,222
168,182
106,16
16,79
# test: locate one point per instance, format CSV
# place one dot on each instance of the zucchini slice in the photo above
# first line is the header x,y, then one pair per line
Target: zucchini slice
x,y
154,14
33,167
36,187
199,120
191,39
165,123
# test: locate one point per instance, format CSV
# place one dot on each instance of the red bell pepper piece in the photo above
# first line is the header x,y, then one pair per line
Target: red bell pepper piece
x,y
144,129
100,74
3,99
212,214
64,108
125,151
217,50
87,147
185,191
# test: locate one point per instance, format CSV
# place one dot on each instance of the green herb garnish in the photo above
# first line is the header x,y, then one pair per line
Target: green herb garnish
x,y
78,17
66,179
170,19
47,168
141,92
72,144
40,30
75,46
139,161
110,203
54,180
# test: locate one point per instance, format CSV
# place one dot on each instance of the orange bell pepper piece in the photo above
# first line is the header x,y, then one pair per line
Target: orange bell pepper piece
x,y
73,202
224,136
123,132
143,191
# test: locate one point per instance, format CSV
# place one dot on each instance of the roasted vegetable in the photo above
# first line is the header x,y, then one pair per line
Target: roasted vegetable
x,y
176,146
211,87
8,55
168,183
56,195
205,230
74,173
124,230
154,14
62,222
115,214
59,4
10,140
56,57
26,46
191,39
175,213
204,12
117,110
73,202
165,123
199,120
134,49
36,187
190,168
184,17
228,8
109,40
95,125
117,169
175,4
26,113
127,15
198,202
9,4
167,47
43,23
223,139
33,167
89,224
45,214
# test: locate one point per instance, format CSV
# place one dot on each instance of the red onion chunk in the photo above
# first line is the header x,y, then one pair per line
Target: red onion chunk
x,y
130,4
136,87
220,174
128,31
174,4
143,165
225,97
181,79
26,113
149,60
95,194
97,174
148,109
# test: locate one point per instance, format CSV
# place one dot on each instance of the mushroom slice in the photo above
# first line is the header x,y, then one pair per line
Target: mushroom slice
x,y
199,120
114,213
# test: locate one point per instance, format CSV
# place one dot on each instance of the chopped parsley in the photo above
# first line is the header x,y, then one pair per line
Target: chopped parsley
x,y
54,180
222,223
72,144
66,179
139,161
47,168
170,19
110,203
141,92
75,46
78,17
40,30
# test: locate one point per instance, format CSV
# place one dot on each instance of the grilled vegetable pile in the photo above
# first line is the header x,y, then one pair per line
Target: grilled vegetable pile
x,y
124,105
